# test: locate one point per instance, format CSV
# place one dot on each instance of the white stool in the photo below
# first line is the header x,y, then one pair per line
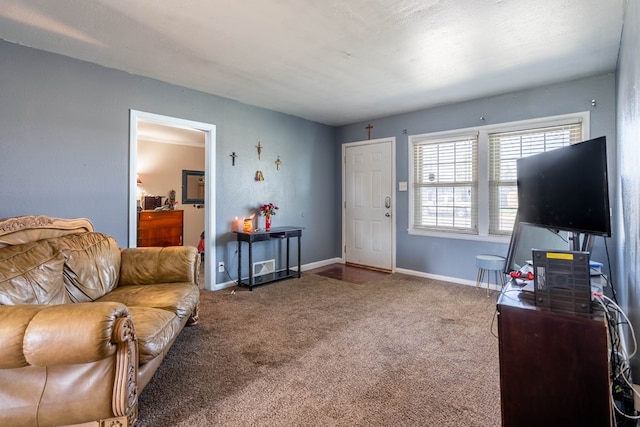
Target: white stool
x,y
489,263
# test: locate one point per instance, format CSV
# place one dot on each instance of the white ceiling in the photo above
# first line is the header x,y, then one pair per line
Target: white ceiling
x,y
331,61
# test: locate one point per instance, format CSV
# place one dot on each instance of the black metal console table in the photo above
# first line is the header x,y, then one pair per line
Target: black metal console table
x,y
261,236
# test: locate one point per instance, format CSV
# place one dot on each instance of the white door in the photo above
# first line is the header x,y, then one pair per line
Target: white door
x,y
369,201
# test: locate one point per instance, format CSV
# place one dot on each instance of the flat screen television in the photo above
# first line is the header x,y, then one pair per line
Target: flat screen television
x,y
566,188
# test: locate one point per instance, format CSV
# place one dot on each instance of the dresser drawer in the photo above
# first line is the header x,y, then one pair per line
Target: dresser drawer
x,y
161,228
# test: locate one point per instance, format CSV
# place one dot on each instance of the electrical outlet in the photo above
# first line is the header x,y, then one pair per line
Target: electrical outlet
x,y
221,267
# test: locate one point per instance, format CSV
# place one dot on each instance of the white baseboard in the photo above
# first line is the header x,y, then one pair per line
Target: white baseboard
x,y
457,280
323,263
319,264
221,286
304,267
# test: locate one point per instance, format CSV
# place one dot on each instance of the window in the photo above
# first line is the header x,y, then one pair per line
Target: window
x,y
463,182
445,183
505,148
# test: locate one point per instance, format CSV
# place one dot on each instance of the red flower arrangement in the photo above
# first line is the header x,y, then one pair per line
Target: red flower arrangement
x,y
269,209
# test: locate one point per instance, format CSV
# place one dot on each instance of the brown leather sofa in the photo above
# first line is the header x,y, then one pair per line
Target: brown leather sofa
x,y
83,324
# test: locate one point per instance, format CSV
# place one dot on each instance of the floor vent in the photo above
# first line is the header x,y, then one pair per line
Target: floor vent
x,y
264,267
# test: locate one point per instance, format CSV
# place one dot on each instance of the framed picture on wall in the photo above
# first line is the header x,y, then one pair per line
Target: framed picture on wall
x,y
192,187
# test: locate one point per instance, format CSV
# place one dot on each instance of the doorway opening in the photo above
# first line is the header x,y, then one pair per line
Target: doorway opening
x,y
138,121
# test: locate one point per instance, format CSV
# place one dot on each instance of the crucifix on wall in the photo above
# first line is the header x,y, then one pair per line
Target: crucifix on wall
x,y
259,148
368,128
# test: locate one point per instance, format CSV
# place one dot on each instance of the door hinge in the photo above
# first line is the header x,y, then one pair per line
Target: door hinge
x,y
345,249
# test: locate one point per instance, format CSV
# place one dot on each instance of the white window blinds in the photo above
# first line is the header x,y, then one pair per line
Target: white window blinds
x,y
445,183
504,149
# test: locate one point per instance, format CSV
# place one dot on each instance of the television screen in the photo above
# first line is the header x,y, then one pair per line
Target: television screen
x,y
566,188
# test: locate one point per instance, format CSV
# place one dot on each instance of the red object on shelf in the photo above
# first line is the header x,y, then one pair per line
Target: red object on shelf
x,y
521,275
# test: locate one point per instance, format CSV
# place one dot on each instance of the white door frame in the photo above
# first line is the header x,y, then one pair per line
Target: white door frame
x,y
392,140
209,179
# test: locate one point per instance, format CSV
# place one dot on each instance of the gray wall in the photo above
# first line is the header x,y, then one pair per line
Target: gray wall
x,y
456,258
628,198
64,129
64,139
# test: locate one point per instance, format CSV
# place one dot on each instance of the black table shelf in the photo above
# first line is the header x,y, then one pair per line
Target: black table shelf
x,y
276,233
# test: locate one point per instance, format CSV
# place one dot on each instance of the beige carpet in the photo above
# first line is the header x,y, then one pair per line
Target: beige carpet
x,y
315,351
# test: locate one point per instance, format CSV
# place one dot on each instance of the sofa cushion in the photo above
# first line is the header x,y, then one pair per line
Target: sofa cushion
x,y
144,266
155,329
180,299
91,264
31,273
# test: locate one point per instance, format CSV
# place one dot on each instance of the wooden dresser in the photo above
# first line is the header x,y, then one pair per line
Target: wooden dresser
x,y
160,228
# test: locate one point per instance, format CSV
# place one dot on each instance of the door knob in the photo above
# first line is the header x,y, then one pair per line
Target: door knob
x,y
387,214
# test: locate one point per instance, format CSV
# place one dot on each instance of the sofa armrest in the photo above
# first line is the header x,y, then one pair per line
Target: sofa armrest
x,y
68,364
145,266
64,334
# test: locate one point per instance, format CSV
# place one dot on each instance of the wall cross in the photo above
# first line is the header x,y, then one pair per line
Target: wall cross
x,y
368,128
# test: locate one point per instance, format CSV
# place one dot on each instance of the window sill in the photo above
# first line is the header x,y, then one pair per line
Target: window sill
x,y
460,236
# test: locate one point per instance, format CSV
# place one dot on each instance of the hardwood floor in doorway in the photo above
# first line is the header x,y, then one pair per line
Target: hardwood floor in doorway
x,y
348,273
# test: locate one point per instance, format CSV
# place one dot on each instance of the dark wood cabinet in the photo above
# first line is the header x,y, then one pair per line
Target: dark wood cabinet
x,y
160,228
554,367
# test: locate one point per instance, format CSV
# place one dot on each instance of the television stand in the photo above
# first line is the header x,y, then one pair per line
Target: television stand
x,y
554,367
587,241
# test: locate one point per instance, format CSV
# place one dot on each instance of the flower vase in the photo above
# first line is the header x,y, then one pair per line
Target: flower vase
x,y
267,222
